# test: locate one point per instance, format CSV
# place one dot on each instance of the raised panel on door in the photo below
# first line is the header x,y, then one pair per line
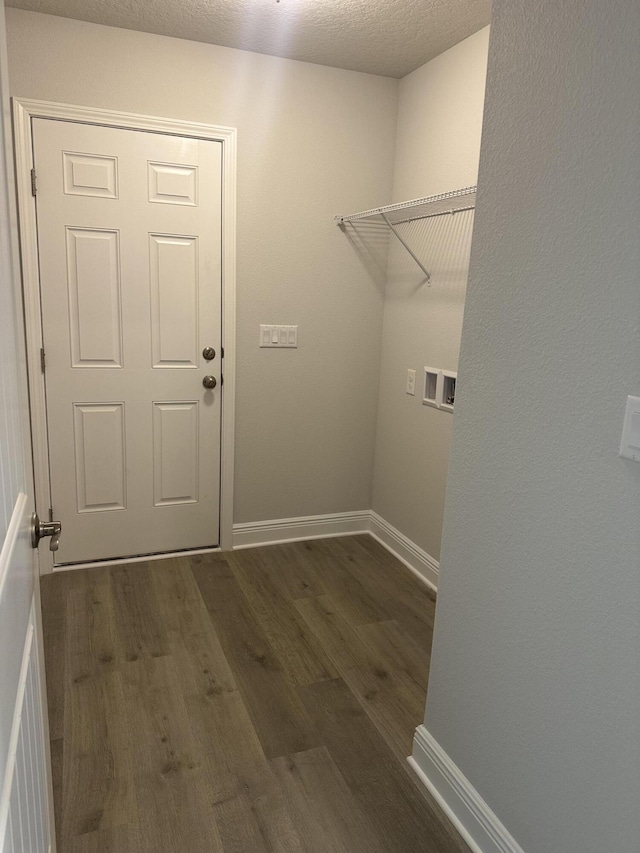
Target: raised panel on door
x,y
175,453
173,269
170,183
99,433
95,321
130,257
90,175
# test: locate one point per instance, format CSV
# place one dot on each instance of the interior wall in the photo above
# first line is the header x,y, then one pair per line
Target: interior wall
x,y
313,142
535,688
437,150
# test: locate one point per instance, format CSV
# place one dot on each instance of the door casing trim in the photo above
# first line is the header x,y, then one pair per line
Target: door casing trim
x,y
24,110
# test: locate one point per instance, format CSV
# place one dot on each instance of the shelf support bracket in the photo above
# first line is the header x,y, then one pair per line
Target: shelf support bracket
x,y
415,258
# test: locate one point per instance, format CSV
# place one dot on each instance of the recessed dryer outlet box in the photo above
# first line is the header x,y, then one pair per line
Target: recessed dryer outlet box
x,y
447,400
432,387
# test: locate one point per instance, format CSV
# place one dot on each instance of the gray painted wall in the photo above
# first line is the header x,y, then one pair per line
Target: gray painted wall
x,y
437,150
534,689
312,142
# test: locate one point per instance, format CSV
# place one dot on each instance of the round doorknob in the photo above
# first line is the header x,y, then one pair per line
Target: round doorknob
x,y
208,353
209,382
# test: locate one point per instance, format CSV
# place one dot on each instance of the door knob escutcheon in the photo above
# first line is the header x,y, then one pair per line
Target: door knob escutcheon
x,y
40,529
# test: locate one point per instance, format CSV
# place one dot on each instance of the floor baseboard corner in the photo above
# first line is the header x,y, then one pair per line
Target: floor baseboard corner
x,y
415,558
474,820
254,534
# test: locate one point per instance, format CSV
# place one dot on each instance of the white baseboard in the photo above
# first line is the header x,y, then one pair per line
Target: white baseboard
x,y
414,557
463,805
256,533
298,529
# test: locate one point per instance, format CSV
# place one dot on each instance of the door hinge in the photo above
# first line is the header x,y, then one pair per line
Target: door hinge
x,y
34,184
43,363
50,513
221,352
221,379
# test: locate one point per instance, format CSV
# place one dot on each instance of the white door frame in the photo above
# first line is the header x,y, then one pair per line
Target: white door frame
x,y
23,111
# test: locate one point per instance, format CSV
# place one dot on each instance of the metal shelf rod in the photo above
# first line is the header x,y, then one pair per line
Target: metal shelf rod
x,y
430,215
420,264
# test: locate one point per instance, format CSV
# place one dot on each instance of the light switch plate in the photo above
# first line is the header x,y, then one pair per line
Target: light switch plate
x,y
280,337
630,443
411,382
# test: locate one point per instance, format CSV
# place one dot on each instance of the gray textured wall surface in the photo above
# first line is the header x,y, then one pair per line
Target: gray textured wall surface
x,y
534,689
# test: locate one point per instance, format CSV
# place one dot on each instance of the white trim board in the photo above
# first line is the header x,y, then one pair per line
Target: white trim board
x,y
273,532
477,824
256,533
24,111
11,537
415,558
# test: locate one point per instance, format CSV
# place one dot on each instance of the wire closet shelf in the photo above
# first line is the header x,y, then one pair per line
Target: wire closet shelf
x,y
393,215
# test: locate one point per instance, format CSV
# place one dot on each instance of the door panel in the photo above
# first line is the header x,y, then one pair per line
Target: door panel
x,y
171,184
129,229
95,310
89,175
175,448
99,439
174,300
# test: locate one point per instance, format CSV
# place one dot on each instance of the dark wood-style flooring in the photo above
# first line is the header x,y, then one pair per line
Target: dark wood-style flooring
x,y
263,700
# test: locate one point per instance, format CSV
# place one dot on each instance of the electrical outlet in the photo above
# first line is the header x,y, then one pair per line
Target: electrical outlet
x,y
411,382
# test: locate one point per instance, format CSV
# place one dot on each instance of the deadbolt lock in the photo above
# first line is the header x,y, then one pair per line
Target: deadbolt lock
x,y
208,353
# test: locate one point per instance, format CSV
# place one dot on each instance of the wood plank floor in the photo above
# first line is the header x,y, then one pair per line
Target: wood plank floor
x,y
263,700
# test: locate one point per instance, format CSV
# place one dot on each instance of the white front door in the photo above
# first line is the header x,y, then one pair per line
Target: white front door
x,y
129,232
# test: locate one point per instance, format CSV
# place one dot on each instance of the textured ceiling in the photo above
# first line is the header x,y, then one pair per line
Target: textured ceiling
x,y
388,37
